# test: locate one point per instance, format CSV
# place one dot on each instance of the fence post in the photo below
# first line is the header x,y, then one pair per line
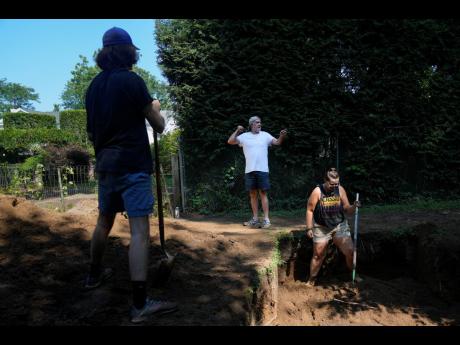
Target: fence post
x,y
176,180
182,175
60,189
167,195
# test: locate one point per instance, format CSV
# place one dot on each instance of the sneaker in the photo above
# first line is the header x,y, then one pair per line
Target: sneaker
x,y
151,307
253,223
94,282
266,224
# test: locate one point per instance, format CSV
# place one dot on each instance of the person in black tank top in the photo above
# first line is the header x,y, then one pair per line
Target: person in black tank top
x,y
325,218
329,211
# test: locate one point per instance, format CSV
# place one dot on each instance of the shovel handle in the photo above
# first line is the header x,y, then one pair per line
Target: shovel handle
x,y
159,195
355,242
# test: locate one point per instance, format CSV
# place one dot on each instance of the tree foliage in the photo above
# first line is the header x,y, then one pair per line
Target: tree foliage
x,y
18,144
75,121
157,89
74,93
378,96
14,95
168,146
28,120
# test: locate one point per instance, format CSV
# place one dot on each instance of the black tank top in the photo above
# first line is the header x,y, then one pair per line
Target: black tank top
x,y
329,210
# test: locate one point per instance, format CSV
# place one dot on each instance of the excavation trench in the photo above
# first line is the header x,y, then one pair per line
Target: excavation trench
x,y
411,277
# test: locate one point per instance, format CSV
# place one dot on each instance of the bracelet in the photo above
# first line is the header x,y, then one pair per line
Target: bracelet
x,y
308,229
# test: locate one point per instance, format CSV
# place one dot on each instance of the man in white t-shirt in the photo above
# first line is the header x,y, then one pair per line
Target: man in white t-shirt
x,y
255,145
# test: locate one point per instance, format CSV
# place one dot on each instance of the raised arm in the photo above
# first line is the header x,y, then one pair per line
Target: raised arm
x,y
153,116
232,139
280,139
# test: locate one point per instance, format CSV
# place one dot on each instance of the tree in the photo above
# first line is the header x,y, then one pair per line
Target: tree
x,y
73,96
75,90
14,95
384,88
157,89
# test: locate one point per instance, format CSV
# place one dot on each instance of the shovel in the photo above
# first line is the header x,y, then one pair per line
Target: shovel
x,y
355,242
166,264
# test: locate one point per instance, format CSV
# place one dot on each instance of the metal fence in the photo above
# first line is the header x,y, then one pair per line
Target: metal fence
x,y
57,181
47,182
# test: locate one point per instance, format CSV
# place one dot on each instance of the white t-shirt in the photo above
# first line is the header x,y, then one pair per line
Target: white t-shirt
x,y
255,148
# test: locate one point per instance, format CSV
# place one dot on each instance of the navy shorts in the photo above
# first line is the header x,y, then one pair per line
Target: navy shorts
x,y
130,192
257,180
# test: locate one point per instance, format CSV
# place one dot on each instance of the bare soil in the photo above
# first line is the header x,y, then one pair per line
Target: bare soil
x,y
44,257
374,302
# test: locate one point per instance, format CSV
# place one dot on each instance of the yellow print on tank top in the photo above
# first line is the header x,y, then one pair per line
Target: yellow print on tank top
x,y
331,201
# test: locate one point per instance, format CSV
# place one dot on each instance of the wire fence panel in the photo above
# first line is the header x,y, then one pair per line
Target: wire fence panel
x,y
43,182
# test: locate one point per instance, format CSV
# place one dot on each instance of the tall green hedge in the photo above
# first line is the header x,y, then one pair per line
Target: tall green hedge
x,y
380,93
75,121
18,144
28,120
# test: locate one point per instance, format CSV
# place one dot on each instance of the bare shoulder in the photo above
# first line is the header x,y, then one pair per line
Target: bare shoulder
x,y
315,194
343,195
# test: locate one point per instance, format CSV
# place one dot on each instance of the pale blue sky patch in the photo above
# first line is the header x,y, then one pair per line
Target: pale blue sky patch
x,y
41,53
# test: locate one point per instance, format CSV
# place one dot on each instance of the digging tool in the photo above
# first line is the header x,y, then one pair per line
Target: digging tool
x,y
166,264
355,242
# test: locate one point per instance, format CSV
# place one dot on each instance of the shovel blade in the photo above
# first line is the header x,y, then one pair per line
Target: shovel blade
x,y
163,271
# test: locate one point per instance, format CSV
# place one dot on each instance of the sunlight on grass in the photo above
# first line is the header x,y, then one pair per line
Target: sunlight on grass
x,y
406,206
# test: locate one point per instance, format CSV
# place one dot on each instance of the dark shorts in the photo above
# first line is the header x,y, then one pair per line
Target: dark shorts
x,y
257,180
130,192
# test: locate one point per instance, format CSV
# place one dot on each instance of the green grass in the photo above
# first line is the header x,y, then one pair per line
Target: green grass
x,y
404,206
246,213
414,205
276,259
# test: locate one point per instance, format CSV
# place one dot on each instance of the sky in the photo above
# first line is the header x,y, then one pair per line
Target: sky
x,y
41,53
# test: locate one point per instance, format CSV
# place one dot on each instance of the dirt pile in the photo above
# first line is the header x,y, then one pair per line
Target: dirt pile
x,y
44,256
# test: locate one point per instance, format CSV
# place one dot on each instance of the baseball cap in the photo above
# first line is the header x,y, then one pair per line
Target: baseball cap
x,y
116,36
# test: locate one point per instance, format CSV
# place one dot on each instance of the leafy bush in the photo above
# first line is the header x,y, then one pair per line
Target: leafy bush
x,y
214,197
28,180
69,155
73,160
28,120
18,144
168,146
75,121
31,163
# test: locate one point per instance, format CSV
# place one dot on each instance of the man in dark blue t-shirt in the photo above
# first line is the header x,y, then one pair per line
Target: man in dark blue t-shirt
x,y
117,104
